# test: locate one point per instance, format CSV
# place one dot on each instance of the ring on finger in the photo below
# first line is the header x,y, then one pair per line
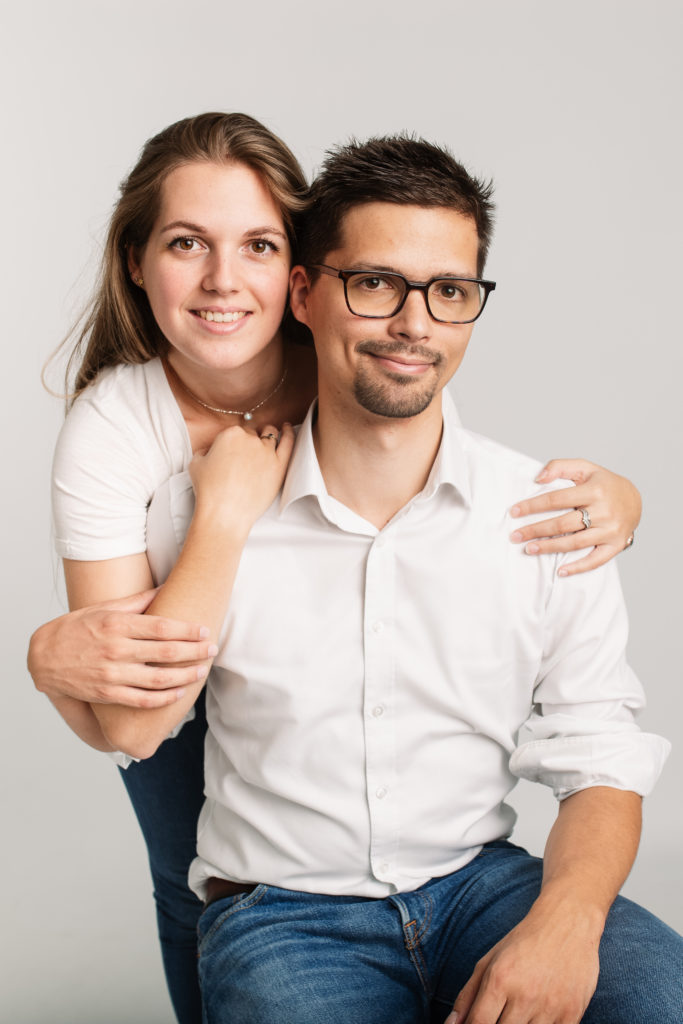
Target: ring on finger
x,y
264,437
585,518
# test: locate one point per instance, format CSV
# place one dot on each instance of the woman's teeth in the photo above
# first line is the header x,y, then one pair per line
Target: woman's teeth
x,y
220,318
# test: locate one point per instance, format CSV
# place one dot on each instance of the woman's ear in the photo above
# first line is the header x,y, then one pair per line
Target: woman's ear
x,y
299,290
134,268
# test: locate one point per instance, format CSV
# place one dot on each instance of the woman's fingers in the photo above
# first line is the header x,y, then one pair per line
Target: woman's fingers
x,y
570,522
578,470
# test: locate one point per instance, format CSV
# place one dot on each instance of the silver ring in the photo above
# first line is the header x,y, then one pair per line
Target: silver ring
x,y
265,436
585,518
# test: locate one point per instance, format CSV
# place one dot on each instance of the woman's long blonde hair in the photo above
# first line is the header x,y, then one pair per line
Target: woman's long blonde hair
x,y
118,325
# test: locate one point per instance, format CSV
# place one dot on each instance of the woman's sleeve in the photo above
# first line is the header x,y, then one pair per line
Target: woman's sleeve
x,y
101,484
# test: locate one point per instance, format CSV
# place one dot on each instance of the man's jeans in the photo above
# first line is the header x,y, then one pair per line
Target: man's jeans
x,y
298,958
167,792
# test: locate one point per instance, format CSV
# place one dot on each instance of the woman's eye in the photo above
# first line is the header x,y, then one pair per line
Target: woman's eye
x,y
260,246
184,244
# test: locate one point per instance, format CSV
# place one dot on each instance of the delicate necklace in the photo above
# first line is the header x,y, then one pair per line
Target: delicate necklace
x,y
248,415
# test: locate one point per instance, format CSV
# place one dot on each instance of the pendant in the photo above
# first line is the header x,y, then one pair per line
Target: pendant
x,y
247,416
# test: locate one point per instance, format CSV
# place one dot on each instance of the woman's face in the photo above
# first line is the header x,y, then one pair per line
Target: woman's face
x,y
216,266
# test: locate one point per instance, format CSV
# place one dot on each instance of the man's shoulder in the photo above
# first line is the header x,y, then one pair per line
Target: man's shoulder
x,y
496,467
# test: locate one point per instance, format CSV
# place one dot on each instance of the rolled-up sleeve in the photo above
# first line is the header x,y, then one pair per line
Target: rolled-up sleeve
x,y
582,730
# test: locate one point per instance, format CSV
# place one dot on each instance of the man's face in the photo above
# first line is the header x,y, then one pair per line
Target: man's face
x,y
390,367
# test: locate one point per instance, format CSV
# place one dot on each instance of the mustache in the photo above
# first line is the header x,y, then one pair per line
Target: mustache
x,y
399,348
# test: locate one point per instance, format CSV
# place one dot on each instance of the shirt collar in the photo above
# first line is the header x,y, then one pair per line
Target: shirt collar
x,y
450,466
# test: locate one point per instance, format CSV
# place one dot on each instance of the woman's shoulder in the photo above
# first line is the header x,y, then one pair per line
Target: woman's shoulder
x,y
128,384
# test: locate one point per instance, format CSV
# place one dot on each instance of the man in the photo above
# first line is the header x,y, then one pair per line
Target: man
x,y
390,665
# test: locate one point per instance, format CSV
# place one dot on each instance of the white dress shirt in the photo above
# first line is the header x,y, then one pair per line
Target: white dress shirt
x,y
377,692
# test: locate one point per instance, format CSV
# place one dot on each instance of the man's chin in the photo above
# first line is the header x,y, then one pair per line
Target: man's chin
x,y
393,403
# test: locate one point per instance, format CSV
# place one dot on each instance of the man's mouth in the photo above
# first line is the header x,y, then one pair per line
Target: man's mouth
x,y
398,359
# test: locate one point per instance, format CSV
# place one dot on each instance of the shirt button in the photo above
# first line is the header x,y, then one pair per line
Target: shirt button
x,y
381,792
377,627
378,711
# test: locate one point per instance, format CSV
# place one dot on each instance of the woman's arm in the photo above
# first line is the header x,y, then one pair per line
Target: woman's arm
x,y
612,501
234,484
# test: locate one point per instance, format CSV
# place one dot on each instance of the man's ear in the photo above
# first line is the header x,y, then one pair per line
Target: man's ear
x,y
299,291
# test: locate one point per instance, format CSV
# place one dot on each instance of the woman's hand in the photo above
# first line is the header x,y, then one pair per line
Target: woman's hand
x,y
613,505
111,653
242,472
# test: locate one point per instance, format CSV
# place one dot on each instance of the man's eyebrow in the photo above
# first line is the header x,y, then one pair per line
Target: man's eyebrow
x,y
382,268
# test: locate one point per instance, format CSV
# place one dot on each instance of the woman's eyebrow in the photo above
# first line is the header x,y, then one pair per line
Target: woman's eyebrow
x,y
183,225
267,229
197,229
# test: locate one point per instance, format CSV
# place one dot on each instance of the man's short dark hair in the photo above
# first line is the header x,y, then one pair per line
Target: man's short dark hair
x,y
398,169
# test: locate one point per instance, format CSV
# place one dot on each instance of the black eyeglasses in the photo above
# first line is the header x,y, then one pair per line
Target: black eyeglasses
x,y
378,295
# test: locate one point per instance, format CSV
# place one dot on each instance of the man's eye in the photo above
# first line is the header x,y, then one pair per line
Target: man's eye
x,y
374,284
450,291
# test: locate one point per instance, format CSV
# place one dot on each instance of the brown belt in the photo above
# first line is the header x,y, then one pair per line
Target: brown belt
x,y
219,888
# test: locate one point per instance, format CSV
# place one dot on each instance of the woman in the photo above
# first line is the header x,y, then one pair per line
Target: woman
x,y
188,324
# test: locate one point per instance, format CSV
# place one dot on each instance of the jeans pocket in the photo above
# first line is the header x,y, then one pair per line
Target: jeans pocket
x,y
215,915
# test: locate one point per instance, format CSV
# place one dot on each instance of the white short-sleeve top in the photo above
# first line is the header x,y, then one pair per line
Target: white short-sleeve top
x,y
123,437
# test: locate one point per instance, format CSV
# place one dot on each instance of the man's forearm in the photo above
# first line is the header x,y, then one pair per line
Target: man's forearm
x,y
591,849
547,966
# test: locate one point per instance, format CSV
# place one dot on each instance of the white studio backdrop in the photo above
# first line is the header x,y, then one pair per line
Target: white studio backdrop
x,y
574,110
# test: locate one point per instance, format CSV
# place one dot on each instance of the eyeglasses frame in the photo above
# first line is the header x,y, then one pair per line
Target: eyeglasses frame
x,y
411,286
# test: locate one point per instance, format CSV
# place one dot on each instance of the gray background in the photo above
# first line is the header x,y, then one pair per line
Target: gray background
x,y
574,110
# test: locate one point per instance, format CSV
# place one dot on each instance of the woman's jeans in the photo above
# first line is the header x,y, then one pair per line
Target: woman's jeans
x,y
298,958
167,792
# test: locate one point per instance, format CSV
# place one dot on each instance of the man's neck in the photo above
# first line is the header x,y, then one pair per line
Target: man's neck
x,y
374,465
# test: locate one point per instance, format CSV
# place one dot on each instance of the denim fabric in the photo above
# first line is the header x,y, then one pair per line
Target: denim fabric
x,y
167,793
277,955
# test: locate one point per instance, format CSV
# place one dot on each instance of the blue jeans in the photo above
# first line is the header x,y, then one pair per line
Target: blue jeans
x,y
167,793
277,955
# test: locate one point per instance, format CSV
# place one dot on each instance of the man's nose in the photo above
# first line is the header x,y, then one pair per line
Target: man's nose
x,y
413,322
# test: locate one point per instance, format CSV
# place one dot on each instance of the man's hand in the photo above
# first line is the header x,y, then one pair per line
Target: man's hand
x,y
111,653
544,971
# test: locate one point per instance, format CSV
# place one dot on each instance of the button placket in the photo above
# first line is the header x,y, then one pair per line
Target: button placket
x,y
380,725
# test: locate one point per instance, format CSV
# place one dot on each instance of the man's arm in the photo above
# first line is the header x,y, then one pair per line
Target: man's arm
x,y
546,969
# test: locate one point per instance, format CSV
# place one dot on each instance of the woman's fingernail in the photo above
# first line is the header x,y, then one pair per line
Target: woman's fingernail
x,y
541,476
515,510
532,549
204,632
516,536
562,572
213,650
452,1018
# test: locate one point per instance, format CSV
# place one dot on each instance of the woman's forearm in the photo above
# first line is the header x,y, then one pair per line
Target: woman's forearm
x,y
198,588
